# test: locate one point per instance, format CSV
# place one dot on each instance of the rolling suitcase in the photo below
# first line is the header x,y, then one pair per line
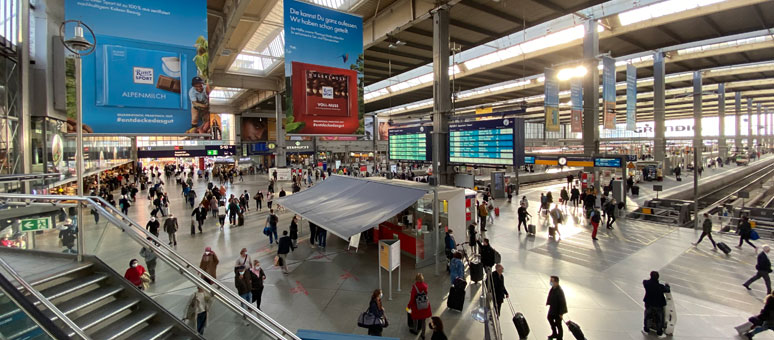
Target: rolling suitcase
x,y
456,299
551,231
520,322
410,322
476,269
724,248
670,316
575,330
497,211
531,229
635,190
241,220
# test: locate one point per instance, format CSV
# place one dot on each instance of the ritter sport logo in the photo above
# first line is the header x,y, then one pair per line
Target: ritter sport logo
x,y
143,75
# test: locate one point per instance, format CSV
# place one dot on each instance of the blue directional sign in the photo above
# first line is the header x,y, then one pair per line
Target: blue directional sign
x,y
607,163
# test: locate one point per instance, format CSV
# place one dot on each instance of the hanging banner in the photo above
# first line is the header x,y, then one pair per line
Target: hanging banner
x,y
551,100
631,97
323,70
149,71
576,97
608,92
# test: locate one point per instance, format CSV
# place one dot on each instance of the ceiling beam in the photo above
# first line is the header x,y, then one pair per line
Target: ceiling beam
x,y
400,54
552,6
429,34
493,11
244,81
712,24
669,33
388,61
473,28
233,10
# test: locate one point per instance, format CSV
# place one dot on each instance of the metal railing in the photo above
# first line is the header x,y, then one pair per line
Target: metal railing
x,y
193,273
49,305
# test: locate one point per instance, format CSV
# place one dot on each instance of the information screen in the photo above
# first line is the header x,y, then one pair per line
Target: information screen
x,y
410,144
607,162
482,142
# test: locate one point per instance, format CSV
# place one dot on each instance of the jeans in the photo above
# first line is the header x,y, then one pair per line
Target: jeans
x,y
709,235
247,296
555,321
656,313
745,239
322,236
524,221
201,319
257,297
610,220
172,238
758,275
273,232
283,258
763,327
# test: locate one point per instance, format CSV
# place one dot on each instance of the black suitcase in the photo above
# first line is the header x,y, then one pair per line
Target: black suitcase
x,y
575,330
724,248
456,299
551,231
412,325
635,190
476,270
531,229
241,220
520,322
725,229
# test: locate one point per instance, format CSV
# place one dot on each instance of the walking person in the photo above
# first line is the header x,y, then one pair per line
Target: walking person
x,y
524,202
171,227
294,231
419,305
243,284
137,275
556,219
706,230
498,282
482,215
574,196
197,308
595,219
745,231
654,302
270,228
610,212
557,306
209,264
214,206
284,247
243,260
233,210
153,226
564,196
523,216
322,237
376,309
150,262
221,215
456,268
200,214
312,233
257,278
258,200
763,268
490,209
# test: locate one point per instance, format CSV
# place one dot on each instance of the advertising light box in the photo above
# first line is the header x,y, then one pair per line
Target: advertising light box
x,y
482,142
411,144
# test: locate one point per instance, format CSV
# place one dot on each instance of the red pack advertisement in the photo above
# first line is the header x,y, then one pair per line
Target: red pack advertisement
x,y
325,99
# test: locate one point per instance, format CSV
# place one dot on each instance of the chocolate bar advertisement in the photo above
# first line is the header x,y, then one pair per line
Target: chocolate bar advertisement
x,y
151,78
323,71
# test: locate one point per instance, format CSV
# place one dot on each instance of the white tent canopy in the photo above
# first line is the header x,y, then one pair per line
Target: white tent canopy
x,y
347,206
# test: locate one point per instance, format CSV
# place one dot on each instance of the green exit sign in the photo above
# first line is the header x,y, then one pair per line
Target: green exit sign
x,y
212,152
33,224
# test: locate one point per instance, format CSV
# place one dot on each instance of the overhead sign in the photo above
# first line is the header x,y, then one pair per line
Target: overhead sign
x,y
323,70
34,224
186,151
631,97
608,92
529,159
658,188
410,144
607,162
576,112
144,74
482,142
551,100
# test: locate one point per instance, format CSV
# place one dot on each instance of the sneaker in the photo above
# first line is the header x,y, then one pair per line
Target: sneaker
x,y
746,286
694,244
595,239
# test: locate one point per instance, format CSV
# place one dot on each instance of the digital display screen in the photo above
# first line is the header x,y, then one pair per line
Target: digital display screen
x,y
607,162
482,142
410,144
529,159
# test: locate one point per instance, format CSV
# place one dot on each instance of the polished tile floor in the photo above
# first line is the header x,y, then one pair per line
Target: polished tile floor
x,y
602,280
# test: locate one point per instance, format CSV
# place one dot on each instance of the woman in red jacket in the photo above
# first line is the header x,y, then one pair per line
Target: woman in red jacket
x,y
134,274
419,304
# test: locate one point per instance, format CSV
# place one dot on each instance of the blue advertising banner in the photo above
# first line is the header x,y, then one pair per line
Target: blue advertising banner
x,y
631,97
576,97
151,78
608,92
411,144
323,70
551,100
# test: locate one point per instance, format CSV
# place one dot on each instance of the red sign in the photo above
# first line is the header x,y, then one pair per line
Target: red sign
x,y
324,100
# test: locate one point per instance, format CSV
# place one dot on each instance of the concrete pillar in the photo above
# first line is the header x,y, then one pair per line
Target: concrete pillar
x,y
765,129
738,121
441,94
697,144
749,126
25,129
133,152
659,108
758,123
591,89
722,147
281,160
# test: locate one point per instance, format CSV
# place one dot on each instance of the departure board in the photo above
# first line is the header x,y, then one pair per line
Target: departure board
x,y
482,142
410,144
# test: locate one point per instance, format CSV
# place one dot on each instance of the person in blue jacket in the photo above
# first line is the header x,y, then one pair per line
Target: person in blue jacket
x,y
456,268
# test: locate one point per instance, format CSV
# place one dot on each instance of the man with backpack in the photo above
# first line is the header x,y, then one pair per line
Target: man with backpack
x,y
482,215
595,219
270,228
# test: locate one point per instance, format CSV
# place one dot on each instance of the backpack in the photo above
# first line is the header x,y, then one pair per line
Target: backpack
x,y
482,210
421,299
273,219
595,216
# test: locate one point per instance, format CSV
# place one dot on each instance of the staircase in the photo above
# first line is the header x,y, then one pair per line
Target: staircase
x,y
99,300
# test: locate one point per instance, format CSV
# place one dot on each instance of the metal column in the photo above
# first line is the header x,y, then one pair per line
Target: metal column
x,y
591,89
697,144
759,137
749,126
441,93
722,147
659,142
282,160
25,129
738,121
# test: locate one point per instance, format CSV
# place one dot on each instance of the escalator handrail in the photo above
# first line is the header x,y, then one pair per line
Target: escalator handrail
x,y
50,306
31,310
109,211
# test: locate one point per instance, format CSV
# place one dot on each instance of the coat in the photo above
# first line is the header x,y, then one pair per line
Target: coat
x,y
654,293
170,225
745,229
487,255
415,313
284,245
706,226
456,270
257,279
200,214
764,264
200,302
209,264
498,281
243,284
557,304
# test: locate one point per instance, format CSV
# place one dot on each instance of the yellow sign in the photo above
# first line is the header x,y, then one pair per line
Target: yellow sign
x,y
630,165
483,110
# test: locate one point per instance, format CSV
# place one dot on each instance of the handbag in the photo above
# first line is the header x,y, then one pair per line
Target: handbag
x,y
366,320
146,279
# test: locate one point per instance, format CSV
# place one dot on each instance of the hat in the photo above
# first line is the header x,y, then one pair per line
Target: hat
x,y
207,249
